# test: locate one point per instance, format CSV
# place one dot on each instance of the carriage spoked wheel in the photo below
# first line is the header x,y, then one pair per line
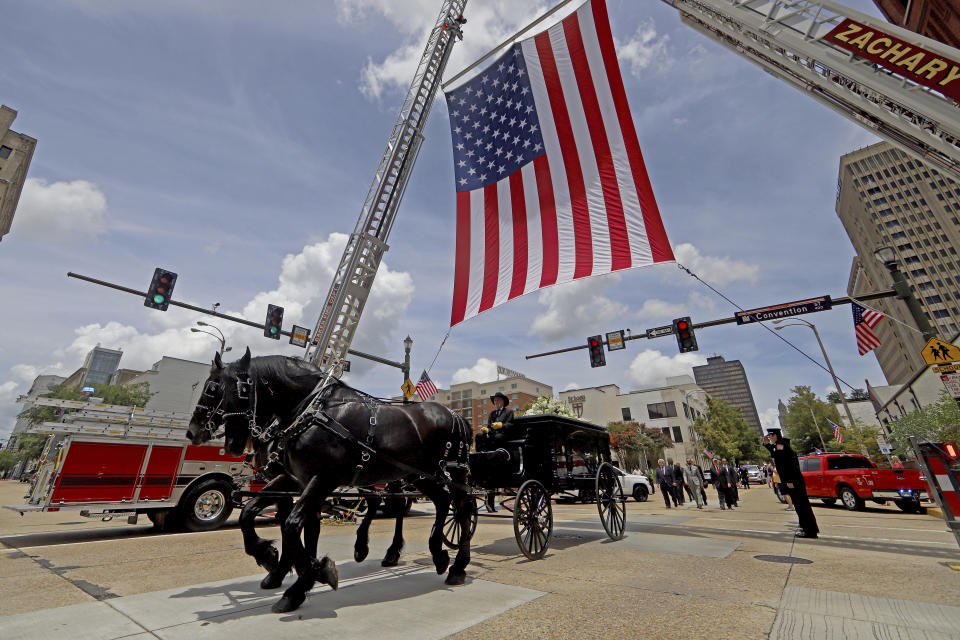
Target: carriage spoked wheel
x,y
611,502
452,530
533,519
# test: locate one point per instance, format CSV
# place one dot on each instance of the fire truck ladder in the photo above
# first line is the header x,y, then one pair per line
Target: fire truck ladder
x,y
112,420
785,38
354,277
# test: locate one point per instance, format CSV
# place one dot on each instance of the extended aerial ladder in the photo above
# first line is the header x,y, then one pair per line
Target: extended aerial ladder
x,y
354,277
786,39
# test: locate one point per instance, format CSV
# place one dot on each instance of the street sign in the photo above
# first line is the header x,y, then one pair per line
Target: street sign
x,y
937,350
947,368
407,388
952,382
299,336
785,310
615,341
659,332
345,366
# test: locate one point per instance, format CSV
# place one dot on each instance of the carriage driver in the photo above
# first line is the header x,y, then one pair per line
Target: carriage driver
x,y
501,418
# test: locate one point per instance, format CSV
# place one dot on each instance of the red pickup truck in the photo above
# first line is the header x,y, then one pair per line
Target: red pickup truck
x,y
854,479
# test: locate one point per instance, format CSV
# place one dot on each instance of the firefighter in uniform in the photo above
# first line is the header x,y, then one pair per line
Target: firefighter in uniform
x,y
785,459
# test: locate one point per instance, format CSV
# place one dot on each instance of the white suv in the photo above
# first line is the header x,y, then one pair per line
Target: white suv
x,y
638,486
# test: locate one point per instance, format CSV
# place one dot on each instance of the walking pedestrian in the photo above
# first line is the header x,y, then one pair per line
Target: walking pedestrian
x,y
693,480
677,488
719,480
730,474
789,468
665,481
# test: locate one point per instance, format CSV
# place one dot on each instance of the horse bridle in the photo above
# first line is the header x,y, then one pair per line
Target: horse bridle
x,y
214,418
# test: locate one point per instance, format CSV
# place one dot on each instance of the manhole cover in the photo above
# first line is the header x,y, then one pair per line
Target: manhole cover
x,y
784,559
567,536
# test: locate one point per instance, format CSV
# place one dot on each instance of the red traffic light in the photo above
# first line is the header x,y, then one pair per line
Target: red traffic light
x,y
593,342
682,325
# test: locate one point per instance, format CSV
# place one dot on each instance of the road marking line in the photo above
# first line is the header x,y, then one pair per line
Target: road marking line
x,y
850,526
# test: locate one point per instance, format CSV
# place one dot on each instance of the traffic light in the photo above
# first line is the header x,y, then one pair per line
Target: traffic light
x,y
597,357
161,289
271,326
683,329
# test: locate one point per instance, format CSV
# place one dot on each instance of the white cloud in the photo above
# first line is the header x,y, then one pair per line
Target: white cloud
x,y
651,368
770,418
304,279
484,370
574,307
654,309
571,385
61,210
645,48
718,271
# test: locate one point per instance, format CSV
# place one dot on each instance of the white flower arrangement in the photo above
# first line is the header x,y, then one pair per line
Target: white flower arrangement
x,y
550,406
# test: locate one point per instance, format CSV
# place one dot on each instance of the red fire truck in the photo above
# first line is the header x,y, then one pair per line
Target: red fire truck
x,y
110,461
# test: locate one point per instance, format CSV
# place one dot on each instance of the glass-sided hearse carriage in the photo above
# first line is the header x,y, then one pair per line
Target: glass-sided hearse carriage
x,y
537,458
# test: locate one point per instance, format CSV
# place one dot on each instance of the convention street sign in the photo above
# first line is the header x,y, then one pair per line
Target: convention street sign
x,y
785,310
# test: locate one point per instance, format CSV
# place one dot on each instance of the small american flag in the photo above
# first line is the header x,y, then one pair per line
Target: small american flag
x,y
425,387
837,431
864,320
708,453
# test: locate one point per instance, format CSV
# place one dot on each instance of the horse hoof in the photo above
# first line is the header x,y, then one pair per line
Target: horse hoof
x,y
392,558
271,581
268,557
441,561
455,579
360,554
286,604
327,573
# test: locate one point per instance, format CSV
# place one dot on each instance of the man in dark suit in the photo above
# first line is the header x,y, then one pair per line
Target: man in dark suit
x,y
665,480
788,466
720,481
677,488
732,495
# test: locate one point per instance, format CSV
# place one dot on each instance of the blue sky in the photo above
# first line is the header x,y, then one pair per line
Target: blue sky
x,y
235,147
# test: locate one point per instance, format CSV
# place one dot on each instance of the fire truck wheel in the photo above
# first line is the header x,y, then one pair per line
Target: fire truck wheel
x,y
207,505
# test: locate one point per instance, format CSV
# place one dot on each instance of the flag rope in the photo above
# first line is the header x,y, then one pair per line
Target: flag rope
x,y
439,349
762,324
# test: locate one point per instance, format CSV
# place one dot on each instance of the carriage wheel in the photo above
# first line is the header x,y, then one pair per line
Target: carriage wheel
x,y
451,528
533,519
610,502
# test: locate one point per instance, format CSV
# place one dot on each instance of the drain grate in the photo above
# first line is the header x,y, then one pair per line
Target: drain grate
x,y
784,559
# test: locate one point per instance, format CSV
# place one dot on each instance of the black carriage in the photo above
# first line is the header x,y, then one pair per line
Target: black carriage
x,y
536,458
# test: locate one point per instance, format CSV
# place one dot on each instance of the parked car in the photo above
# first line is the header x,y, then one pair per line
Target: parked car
x,y
853,479
636,485
754,474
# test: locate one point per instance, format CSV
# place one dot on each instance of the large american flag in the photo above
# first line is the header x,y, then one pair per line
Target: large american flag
x,y
425,387
551,185
864,320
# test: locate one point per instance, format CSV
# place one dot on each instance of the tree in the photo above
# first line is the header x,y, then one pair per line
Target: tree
x,y
30,445
726,434
627,443
835,397
653,442
938,422
805,413
132,396
859,394
7,459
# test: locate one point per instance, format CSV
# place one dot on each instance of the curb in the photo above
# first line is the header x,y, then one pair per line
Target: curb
x,y
935,512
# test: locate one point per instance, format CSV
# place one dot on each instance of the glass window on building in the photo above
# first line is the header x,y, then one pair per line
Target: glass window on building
x,y
666,431
467,395
499,388
456,395
513,385
662,410
5,152
677,434
625,412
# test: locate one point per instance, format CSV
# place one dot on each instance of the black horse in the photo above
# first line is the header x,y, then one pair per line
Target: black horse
x,y
410,442
287,382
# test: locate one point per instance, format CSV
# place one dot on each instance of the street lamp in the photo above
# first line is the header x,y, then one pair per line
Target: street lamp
x,y
223,342
836,382
407,344
888,257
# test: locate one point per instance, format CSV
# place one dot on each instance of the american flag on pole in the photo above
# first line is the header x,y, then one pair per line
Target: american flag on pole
x,y
837,432
425,387
707,452
864,320
551,185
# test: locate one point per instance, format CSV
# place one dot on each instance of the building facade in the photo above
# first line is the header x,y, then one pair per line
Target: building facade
x,y
175,384
672,409
16,152
100,365
727,380
937,19
887,198
41,385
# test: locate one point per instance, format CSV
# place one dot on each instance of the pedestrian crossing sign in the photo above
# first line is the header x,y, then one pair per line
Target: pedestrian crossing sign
x,y
407,388
937,351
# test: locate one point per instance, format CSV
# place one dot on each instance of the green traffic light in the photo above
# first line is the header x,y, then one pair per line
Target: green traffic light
x,y
158,299
273,330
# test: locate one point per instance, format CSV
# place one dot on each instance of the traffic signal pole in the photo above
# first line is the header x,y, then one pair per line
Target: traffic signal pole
x,y
889,293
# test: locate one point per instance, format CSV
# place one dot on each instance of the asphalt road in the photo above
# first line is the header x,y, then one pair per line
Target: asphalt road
x,y
684,572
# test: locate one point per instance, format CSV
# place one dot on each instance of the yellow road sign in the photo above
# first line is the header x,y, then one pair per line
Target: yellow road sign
x,y
937,351
407,388
947,368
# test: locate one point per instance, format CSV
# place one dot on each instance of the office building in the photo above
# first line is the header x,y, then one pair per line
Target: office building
x,y
887,198
727,380
174,384
100,365
41,385
472,399
937,19
671,408
16,151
